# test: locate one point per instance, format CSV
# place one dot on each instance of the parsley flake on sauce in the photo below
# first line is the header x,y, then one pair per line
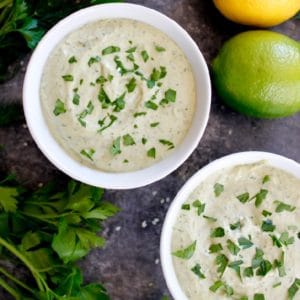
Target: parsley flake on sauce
x,y
267,226
214,248
235,265
93,60
76,99
217,232
245,243
185,206
116,146
197,271
151,153
279,264
187,252
59,108
155,124
131,85
260,197
131,50
167,143
145,55
144,141
110,50
128,140
101,123
72,60
281,206
259,297
211,219
294,288
266,179
88,153
139,114
232,247
266,213
151,105
170,96
243,198
200,206
119,103
218,189
248,272
160,49
67,77
236,225
221,262
216,286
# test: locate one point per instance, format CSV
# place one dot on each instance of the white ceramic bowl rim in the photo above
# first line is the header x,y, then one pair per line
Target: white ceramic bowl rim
x,y
37,124
228,161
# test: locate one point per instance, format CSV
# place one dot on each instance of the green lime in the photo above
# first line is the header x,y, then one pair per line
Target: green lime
x,y
258,73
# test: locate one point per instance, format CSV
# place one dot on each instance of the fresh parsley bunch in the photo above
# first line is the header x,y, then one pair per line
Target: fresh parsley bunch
x,y
46,232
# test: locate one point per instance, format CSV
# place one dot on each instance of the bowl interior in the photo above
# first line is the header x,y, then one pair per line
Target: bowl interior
x,y
37,124
232,160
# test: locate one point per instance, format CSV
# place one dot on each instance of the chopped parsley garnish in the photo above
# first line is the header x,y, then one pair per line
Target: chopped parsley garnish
x,y
89,109
222,262
264,267
276,285
200,206
260,197
128,140
81,81
245,243
232,247
72,60
88,153
155,124
151,153
248,272
267,226
187,252
276,241
294,288
119,103
214,248
139,114
59,108
235,265
167,143
131,85
103,98
101,123
266,213
281,206
236,225
266,179
131,50
259,297
145,55
257,259
93,60
101,80
279,264
144,141
211,219
125,161
185,206
151,105
130,57
110,50
121,68
170,96
217,232
156,75
243,198
197,271
216,286
218,189
116,146
159,48
76,99
285,239
67,77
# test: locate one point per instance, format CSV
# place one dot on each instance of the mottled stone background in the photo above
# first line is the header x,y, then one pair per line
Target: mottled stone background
x,y
129,265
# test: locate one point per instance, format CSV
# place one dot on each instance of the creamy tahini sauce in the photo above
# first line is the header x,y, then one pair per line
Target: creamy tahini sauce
x,y
227,209
142,129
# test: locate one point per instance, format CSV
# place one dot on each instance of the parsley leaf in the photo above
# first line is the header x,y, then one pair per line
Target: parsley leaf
x,y
214,248
155,124
248,272
243,198
266,179
76,99
236,225
218,189
68,77
128,140
216,286
266,213
167,143
8,202
185,206
159,48
110,50
245,243
101,123
211,219
294,288
119,103
59,108
279,264
116,147
88,153
200,206
145,55
259,297
281,206
267,226
139,114
222,262
217,232
232,247
131,85
235,265
197,271
187,252
93,60
151,105
260,197
151,153
72,60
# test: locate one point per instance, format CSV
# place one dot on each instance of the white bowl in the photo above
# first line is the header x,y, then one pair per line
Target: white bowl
x,y
232,160
54,152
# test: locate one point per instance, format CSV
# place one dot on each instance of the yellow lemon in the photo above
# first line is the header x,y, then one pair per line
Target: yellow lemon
x,y
261,13
258,73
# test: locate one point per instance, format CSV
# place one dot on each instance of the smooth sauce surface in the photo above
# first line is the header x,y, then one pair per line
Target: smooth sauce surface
x,y
252,217
118,95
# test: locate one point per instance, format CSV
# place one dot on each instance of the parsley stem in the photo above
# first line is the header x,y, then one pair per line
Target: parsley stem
x,y
9,289
15,280
42,285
